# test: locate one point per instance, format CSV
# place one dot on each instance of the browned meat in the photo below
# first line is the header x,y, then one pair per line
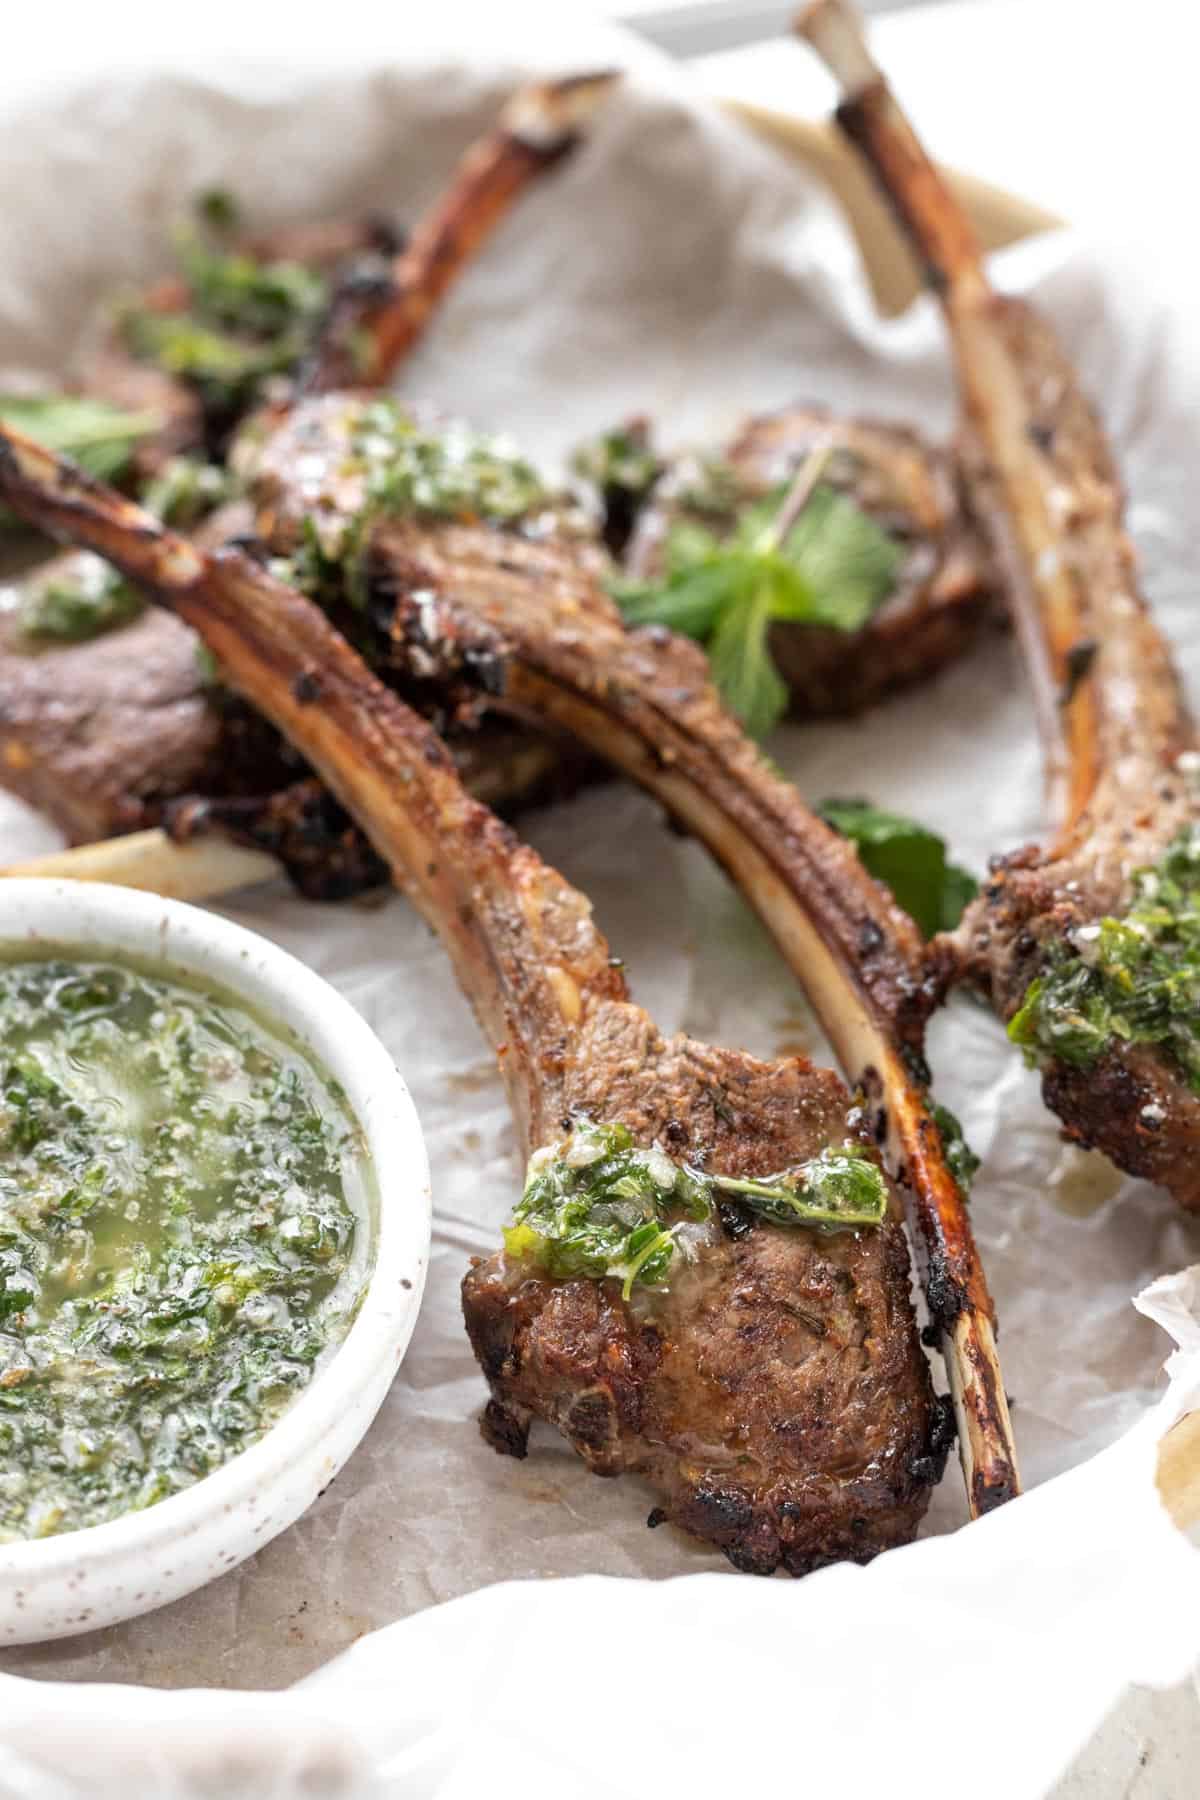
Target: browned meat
x,y
96,734
103,779
521,616
944,597
1113,720
126,731
780,1404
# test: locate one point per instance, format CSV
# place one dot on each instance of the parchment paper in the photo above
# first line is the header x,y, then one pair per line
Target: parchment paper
x,y
680,268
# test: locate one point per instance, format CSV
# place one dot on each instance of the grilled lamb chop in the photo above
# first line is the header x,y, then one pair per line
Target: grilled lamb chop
x,y
944,595
518,616
774,1396
1085,944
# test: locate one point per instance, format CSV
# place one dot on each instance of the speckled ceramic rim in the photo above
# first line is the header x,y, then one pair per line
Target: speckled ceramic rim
x,y
84,1579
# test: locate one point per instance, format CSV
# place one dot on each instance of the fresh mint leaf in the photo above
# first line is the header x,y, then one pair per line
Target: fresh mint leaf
x,y
908,858
833,567
742,666
690,606
845,560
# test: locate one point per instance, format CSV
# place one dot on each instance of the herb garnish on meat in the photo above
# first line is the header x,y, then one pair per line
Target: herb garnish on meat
x,y
246,318
1135,978
410,469
598,1206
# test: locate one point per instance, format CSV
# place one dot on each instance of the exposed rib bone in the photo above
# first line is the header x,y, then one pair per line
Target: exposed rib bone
x,y
555,1008
367,333
1109,703
149,860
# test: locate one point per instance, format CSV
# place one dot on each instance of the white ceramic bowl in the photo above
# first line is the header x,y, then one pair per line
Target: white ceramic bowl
x,y
83,1579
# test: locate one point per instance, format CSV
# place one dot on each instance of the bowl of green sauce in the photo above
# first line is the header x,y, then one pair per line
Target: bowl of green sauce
x,y
214,1232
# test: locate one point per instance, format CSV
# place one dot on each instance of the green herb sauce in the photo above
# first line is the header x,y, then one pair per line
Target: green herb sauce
x,y
597,1206
1133,979
248,320
404,468
183,1236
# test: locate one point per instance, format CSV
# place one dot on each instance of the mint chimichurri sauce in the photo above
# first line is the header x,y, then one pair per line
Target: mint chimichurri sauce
x,y
183,1234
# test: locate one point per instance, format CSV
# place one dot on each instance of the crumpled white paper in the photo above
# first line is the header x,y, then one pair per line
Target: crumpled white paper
x,y
680,268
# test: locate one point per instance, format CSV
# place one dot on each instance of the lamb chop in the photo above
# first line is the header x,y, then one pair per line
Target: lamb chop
x,y
105,735
1087,946
457,570
943,595
765,1378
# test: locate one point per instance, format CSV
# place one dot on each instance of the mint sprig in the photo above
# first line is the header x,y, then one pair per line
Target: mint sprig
x,y
805,553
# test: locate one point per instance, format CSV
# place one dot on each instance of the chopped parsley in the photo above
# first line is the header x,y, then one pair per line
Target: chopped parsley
x,y
826,563
908,858
182,1237
1133,979
597,1206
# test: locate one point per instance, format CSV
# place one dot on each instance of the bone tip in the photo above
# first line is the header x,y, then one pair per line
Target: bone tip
x,y
546,114
835,31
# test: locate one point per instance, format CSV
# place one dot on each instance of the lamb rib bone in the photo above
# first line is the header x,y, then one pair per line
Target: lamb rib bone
x,y
1117,736
776,1396
367,333
526,618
